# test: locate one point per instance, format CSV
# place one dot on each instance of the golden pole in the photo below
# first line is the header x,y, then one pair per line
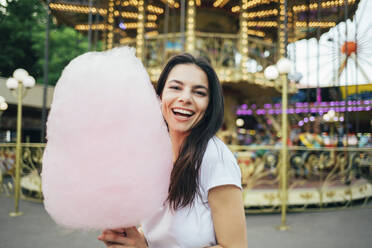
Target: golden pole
x,y
283,169
17,188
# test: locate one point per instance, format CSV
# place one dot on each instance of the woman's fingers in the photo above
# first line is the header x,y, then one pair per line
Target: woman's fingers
x,y
120,230
115,238
132,231
120,246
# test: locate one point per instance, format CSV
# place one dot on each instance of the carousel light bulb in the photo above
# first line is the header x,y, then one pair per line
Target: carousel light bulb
x,y
20,74
331,113
326,117
3,106
29,82
271,72
239,122
284,65
12,83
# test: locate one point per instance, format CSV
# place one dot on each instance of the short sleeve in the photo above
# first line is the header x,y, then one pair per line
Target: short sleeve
x,y
219,167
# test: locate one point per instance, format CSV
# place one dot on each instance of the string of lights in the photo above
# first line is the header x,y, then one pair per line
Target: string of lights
x,y
190,26
316,24
77,8
281,29
244,40
220,3
140,38
171,3
155,9
110,27
328,4
101,26
260,14
103,12
267,24
254,3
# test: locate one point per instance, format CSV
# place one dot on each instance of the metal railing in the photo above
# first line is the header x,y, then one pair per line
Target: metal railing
x,y
318,178
222,50
31,165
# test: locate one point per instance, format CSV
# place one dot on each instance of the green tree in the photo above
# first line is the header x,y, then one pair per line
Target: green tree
x,y
17,20
65,43
22,41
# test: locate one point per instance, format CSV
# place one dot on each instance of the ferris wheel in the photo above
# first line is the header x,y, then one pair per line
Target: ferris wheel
x,y
341,57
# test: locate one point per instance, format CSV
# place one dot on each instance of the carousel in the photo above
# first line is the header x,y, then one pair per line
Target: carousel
x,y
319,108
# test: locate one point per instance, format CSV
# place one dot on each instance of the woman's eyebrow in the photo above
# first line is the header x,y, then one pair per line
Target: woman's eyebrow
x,y
175,81
200,87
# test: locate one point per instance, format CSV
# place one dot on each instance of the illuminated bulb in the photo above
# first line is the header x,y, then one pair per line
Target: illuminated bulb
x,y
20,74
271,72
239,122
29,82
12,83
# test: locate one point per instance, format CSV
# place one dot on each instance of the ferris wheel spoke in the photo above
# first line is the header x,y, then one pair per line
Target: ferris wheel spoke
x,y
363,9
358,65
364,52
331,46
328,78
363,41
322,65
368,62
332,55
366,45
341,68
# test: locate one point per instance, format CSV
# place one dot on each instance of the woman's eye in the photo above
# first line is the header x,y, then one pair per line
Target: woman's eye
x,y
201,93
174,87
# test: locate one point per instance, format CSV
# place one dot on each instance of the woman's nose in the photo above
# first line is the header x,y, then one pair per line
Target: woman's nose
x,y
185,97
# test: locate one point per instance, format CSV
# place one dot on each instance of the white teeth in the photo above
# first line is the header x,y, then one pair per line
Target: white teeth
x,y
183,111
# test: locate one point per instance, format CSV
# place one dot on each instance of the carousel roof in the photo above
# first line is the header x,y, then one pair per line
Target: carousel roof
x,y
216,16
218,26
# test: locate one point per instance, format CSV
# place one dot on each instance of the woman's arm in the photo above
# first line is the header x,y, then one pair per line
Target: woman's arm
x,y
228,215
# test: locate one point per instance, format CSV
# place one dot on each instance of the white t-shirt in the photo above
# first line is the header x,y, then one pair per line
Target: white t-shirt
x,y
191,227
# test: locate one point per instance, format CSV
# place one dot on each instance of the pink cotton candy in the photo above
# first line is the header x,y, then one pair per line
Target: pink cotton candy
x,y
108,159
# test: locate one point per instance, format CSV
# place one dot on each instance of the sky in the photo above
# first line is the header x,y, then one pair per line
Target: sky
x,y
358,69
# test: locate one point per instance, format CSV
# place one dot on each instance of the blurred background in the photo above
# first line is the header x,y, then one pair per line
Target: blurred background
x,y
296,77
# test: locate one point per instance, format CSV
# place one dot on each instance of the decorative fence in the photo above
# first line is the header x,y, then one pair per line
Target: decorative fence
x,y
317,178
31,165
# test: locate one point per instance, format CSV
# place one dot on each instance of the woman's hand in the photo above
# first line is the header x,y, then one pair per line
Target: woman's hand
x,y
123,237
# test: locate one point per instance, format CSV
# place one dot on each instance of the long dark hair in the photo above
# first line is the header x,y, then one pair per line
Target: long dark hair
x,y
184,182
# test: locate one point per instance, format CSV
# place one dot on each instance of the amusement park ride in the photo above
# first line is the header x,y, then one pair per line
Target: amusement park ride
x,y
241,39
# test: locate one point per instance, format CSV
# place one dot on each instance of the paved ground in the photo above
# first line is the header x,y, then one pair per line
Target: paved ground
x,y
339,229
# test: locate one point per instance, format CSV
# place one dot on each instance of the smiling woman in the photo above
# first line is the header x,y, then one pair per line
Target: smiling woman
x,y
204,206
184,99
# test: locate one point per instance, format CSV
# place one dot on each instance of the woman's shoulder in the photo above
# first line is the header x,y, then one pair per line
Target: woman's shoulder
x,y
219,166
217,150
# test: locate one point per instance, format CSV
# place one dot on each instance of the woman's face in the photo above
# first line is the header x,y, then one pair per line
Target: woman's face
x,y
185,97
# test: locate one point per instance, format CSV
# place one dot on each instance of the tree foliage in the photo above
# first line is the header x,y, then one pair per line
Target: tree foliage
x,y
22,41
17,23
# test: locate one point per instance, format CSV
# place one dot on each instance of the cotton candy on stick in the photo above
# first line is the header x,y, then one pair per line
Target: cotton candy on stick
x,y
108,159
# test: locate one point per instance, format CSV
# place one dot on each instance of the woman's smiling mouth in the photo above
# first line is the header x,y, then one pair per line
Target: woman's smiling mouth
x,y
183,113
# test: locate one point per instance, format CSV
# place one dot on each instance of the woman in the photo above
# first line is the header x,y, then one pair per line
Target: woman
x,y
204,206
